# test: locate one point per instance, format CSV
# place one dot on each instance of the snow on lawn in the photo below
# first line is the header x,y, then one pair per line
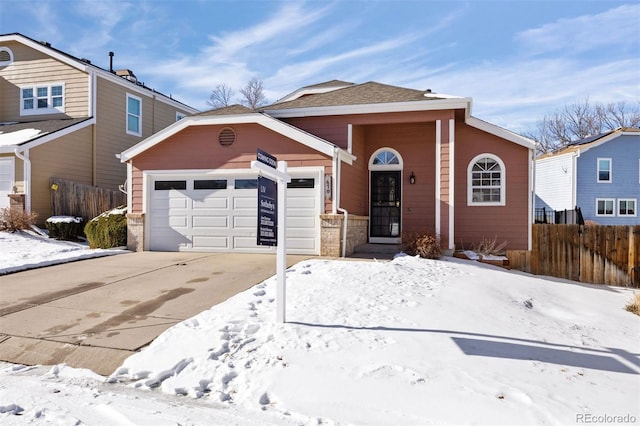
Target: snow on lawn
x,y
24,250
405,342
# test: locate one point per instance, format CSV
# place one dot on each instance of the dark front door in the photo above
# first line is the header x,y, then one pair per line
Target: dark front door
x,y
385,206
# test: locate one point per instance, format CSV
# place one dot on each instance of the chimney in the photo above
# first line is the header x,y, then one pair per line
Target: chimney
x,y
110,61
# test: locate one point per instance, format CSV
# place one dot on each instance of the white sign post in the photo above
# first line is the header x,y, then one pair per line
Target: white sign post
x,y
282,178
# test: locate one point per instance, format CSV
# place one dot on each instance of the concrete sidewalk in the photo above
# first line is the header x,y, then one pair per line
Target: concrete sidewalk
x,y
95,313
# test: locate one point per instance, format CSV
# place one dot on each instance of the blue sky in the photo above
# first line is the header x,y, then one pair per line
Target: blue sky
x,y
518,60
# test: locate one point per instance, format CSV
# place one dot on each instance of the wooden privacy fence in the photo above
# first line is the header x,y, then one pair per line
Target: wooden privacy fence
x,y
77,199
591,254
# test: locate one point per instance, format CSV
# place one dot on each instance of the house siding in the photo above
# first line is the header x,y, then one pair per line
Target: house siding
x,y
197,148
510,222
68,157
111,134
415,142
625,178
33,67
555,182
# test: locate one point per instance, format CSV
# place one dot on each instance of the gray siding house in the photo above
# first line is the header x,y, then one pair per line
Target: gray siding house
x,y
599,174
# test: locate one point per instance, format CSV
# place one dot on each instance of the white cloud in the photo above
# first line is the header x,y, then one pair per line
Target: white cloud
x,y
615,27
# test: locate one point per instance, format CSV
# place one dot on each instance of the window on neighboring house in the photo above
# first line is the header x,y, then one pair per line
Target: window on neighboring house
x,y
180,115
486,181
604,207
42,99
6,56
627,207
134,115
604,169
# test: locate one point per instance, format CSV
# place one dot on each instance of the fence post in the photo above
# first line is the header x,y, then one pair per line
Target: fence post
x,y
634,255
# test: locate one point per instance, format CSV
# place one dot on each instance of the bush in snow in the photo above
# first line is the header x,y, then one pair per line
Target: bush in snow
x,y
14,220
64,227
424,245
490,247
634,305
108,230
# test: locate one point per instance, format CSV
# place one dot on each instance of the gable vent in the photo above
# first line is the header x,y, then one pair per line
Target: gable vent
x,y
6,56
226,136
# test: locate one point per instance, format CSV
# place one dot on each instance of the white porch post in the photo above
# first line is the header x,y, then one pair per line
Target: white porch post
x,y
438,166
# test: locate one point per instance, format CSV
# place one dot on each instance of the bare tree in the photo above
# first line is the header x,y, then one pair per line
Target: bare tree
x,y
253,94
221,96
580,120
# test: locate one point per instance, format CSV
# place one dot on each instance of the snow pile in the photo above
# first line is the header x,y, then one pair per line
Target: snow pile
x,y
25,250
19,136
64,219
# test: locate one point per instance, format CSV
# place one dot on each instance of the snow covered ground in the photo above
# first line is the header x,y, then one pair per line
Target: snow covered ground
x,y
403,342
25,250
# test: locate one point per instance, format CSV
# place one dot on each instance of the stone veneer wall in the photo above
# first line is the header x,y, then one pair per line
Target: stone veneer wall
x,y
135,231
331,233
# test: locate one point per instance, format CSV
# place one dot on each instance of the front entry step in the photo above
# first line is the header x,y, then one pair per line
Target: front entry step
x,y
378,251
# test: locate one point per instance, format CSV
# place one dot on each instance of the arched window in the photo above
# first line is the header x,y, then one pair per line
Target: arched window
x,y
6,56
487,181
385,159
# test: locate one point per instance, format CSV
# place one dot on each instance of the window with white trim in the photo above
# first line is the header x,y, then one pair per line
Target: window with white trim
x,y
6,56
604,170
42,99
486,181
604,207
627,207
134,115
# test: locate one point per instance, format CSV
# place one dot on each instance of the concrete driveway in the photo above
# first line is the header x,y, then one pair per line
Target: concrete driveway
x,y
95,313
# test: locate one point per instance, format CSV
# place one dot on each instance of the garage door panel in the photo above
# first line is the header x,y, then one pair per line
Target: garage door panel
x,y
301,203
211,203
178,221
249,202
246,242
245,222
209,241
215,222
300,243
306,223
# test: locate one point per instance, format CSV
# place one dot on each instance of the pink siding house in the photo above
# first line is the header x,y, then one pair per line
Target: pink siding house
x,y
389,161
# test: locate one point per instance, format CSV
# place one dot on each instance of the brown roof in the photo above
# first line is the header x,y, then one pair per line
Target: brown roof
x,y
357,94
228,110
330,83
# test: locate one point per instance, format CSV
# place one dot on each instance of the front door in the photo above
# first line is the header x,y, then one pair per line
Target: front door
x,y
385,207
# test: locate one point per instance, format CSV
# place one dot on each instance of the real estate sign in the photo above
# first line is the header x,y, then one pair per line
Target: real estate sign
x,y
267,212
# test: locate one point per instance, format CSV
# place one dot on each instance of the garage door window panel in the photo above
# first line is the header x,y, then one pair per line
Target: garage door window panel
x,y
210,184
167,185
246,183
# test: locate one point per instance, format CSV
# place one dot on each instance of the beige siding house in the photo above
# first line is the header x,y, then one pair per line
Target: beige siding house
x,y
61,116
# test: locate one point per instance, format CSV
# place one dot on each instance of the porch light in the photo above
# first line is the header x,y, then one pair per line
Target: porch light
x,y
412,179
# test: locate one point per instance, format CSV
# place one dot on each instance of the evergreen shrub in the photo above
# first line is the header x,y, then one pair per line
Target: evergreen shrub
x,y
108,230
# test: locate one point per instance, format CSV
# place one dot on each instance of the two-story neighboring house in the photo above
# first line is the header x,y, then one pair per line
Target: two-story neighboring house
x,y
63,117
599,174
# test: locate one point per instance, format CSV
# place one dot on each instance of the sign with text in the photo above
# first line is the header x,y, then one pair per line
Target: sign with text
x,y
267,212
266,158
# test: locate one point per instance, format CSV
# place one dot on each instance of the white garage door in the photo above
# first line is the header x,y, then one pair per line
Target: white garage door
x,y
7,168
211,213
